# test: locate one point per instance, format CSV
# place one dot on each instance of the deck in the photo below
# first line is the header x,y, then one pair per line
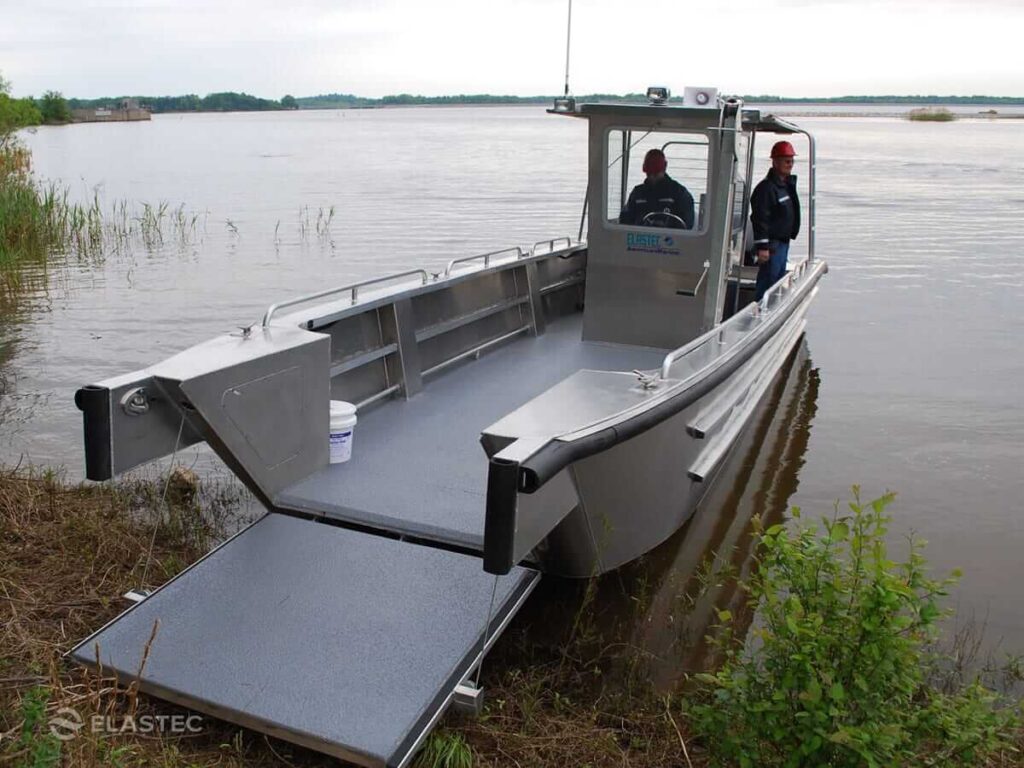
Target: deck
x,y
417,465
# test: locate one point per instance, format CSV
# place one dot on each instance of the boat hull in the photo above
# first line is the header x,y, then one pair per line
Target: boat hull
x,y
635,495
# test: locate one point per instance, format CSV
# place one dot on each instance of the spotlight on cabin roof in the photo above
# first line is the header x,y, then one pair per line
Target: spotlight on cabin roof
x,y
567,104
657,94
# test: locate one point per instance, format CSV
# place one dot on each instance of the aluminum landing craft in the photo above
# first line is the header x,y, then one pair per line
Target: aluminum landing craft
x,y
559,409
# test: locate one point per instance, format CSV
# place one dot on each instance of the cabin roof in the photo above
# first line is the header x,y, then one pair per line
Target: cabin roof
x,y
632,110
753,119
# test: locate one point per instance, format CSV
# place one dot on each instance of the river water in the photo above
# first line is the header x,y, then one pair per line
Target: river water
x,y
912,338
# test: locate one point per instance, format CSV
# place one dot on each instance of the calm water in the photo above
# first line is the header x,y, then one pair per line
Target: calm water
x,y
914,334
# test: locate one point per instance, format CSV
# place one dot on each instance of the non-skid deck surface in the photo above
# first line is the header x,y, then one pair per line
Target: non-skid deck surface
x,y
417,466
342,641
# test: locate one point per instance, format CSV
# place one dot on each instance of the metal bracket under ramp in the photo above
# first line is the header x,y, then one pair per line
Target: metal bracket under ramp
x,y
341,641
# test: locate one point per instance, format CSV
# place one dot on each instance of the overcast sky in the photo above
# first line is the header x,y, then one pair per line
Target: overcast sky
x,y
91,48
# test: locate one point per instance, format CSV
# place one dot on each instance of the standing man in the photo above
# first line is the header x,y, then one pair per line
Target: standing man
x,y
775,216
660,201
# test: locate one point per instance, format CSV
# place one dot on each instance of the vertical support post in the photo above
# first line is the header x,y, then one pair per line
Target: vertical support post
x,y
721,198
624,185
536,300
750,183
408,351
811,168
583,214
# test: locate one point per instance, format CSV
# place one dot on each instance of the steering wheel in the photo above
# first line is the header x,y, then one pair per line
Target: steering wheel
x,y
662,219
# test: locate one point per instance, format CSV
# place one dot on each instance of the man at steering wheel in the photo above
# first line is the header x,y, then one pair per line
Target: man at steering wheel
x,y
660,201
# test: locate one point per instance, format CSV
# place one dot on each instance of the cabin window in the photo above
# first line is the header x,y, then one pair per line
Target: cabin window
x,y
687,157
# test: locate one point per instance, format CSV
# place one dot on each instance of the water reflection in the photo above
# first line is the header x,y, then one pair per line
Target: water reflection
x,y
24,290
648,622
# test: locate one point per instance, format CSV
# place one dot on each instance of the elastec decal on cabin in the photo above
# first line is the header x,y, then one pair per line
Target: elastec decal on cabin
x,y
650,243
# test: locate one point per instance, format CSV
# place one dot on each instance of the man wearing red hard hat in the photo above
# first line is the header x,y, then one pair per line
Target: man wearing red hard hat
x,y
660,201
775,216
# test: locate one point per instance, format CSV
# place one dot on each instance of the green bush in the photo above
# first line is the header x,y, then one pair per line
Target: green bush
x,y
931,115
35,747
54,108
835,669
14,114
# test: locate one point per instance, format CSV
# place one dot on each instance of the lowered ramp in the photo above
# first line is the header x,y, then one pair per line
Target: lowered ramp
x,y
344,642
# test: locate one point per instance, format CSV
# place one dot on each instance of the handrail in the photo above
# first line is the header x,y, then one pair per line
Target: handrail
x,y
676,354
700,282
485,256
541,458
551,244
353,287
811,171
799,268
754,308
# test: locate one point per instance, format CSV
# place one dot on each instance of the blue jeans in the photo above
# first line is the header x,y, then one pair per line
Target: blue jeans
x,y
769,273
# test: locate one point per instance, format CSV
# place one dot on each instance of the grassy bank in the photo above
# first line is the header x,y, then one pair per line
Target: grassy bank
x,y
67,553
561,690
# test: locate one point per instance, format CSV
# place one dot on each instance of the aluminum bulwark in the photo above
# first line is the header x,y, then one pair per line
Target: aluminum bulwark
x,y
340,641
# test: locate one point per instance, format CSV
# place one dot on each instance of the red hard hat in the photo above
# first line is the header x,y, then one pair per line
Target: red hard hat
x,y
783,149
655,162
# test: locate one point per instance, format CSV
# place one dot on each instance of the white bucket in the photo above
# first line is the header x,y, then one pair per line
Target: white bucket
x,y
343,422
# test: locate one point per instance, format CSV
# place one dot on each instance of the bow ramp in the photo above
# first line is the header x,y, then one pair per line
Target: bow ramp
x,y
347,643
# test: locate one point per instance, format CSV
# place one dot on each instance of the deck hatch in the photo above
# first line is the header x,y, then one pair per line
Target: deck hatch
x,y
341,641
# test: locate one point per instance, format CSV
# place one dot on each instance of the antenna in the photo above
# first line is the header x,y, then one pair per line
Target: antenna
x,y
566,103
568,38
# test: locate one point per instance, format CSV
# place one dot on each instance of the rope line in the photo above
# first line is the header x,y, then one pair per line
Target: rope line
x,y
163,503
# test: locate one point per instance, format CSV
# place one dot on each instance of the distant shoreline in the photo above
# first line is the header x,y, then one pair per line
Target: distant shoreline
x,y
895,111
241,102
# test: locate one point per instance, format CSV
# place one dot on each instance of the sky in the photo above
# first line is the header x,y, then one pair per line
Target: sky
x,y
93,48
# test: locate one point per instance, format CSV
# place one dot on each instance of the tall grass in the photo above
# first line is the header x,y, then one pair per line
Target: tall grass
x,y
931,115
38,221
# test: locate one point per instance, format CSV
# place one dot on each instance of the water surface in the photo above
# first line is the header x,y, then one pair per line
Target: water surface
x,y
913,335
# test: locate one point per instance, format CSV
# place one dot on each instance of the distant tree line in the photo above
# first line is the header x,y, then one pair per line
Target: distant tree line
x,y
225,101
54,108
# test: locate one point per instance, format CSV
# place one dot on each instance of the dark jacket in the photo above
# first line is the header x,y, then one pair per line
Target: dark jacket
x,y
774,210
666,194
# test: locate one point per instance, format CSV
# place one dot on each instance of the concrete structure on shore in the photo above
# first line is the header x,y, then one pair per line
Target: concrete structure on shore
x,y
127,110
